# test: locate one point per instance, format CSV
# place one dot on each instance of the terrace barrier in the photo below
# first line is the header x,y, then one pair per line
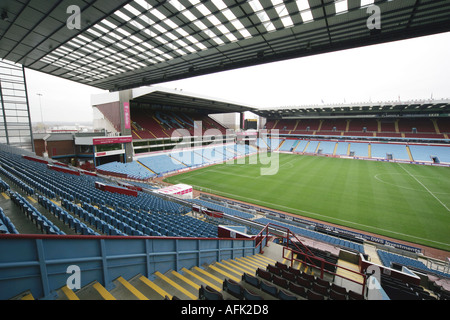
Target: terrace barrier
x,y
42,263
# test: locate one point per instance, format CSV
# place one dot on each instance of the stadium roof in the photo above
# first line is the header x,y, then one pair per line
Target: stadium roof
x,y
166,98
185,100
124,44
407,108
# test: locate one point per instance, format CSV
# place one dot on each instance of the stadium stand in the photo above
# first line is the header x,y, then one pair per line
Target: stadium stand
x,y
224,209
149,124
426,153
288,145
415,128
382,150
342,149
301,146
326,147
388,258
54,201
164,163
148,166
132,170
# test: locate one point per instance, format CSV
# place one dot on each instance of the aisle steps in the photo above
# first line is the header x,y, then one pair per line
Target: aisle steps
x,y
184,284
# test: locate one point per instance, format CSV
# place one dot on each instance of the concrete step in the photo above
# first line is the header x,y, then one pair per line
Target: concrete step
x,y
124,290
65,293
183,284
150,289
176,286
94,291
202,277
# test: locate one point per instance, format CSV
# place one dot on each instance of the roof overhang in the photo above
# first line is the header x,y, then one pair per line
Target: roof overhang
x,y
124,44
155,97
180,99
438,108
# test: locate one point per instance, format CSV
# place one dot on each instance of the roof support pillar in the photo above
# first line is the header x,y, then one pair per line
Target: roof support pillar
x,y
125,97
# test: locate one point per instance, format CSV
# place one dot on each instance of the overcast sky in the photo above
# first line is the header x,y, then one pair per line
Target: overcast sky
x,y
414,69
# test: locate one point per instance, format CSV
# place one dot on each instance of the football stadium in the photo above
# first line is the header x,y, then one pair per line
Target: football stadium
x,y
183,195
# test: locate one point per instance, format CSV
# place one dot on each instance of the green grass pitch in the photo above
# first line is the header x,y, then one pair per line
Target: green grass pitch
x,y
402,201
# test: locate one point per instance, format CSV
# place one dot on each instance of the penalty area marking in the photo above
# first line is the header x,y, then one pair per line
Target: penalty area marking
x,y
377,177
233,196
443,204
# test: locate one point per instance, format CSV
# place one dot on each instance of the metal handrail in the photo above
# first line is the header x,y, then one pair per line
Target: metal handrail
x,y
309,256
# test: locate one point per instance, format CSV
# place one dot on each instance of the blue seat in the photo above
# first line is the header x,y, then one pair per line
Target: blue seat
x,y
208,293
251,296
106,229
98,223
70,221
39,220
77,226
269,288
233,288
128,230
284,295
58,212
113,231
29,212
64,217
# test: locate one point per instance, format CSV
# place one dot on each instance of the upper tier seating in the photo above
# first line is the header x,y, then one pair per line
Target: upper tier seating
x,y
147,124
419,128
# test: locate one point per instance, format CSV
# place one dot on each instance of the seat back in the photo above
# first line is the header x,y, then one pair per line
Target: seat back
x,y
269,288
311,295
251,296
208,293
284,295
337,296
298,290
264,274
233,288
251,279
280,281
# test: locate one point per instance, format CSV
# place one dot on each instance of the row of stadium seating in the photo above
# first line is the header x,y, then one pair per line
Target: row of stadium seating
x,y
161,217
221,208
419,153
406,128
399,290
158,124
287,283
147,167
39,219
388,258
82,189
181,159
131,170
73,223
6,226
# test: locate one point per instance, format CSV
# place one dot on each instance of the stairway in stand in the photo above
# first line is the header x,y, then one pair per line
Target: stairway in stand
x,y
184,284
